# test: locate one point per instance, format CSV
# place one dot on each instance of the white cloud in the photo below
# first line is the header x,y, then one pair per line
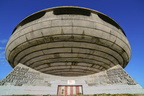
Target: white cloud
x,y
2,54
2,48
2,61
2,58
3,41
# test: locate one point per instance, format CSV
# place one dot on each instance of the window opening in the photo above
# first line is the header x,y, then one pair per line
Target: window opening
x,y
75,11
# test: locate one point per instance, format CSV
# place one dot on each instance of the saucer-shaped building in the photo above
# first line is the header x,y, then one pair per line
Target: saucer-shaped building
x,y
68,41
68,50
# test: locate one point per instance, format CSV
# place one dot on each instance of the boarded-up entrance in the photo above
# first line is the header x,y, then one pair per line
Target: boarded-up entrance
x,y
69,89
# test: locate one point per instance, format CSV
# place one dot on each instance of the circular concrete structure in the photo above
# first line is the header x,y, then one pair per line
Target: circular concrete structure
x,y
68,41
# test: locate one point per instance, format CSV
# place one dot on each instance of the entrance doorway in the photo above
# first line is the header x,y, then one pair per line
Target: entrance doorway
x,y
69,89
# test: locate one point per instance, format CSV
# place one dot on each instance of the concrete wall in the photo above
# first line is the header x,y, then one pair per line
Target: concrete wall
x,y
114,81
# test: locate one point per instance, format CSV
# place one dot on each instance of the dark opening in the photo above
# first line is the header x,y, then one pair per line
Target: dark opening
x,y
108,20
75,11
31,18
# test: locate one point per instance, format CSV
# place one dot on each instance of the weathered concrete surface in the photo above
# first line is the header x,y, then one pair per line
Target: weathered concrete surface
x,y
24,80
68,44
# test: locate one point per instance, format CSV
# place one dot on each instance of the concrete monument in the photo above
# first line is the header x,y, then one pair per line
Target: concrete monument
x,y
68,50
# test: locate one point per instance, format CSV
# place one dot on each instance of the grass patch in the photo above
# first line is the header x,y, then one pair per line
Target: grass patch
x,y
83,95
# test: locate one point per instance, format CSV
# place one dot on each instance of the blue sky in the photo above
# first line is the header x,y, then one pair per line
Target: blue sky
x,y
128,13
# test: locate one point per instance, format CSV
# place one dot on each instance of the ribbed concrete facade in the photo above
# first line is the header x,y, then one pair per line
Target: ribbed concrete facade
x,y
68,41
